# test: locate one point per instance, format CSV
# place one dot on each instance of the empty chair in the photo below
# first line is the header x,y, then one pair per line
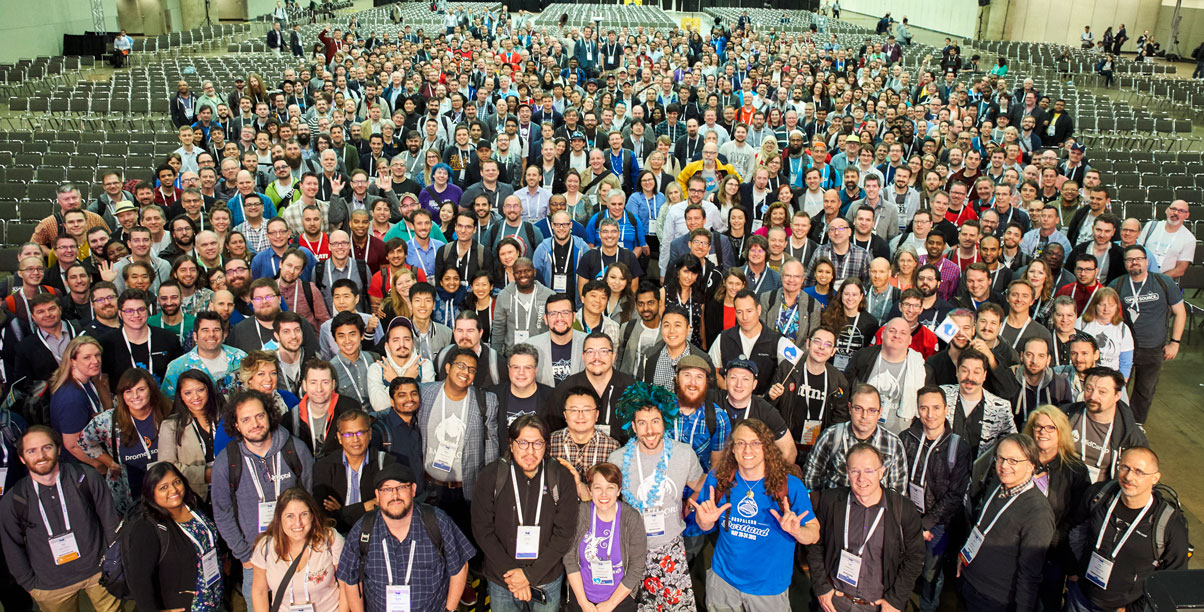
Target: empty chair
x,y
45,192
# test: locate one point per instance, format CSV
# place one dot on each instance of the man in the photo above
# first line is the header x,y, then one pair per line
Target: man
x,y
1129,230
885,219
343,480
170,317
863,232
937,484
1156,543
1039,385
894,368
1173,245
360,199
1150,308
559,347
977,415
977,289
368,573
255,332
640,333
750,340
208,355
341,265
353,363
1099,203
900,195
516,315
520,393
266,264
430,337
557,258
812,397
298,294
37,355
140,250
1109,256
524,529
761,278
261,460
54,551
345,297
658,363
459,434
581,445
1086,281
1035,241
1019,324
827,466
877,567
717,256
511,225
948,272
466,334
850,260
137,344
599,374
741,404
466,254
675,222
1102,425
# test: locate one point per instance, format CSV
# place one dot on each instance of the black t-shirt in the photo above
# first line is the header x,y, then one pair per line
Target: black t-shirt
x,y
518,406
593,263
761,410
562,361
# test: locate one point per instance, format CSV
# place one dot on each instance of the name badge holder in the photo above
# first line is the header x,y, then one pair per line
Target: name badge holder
x,y
1099,569
527,538
654,522
602,571
915,491
63,547
449,446
977,535
210,568
849,570
397,596
266,509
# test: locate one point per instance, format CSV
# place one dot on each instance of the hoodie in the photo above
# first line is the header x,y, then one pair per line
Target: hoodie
x,y
1053,389
239,531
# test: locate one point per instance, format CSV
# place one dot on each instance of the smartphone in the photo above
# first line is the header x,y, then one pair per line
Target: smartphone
x,y
538,595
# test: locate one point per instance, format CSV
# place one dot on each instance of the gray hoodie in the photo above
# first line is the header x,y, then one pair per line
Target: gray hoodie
x,y
240,531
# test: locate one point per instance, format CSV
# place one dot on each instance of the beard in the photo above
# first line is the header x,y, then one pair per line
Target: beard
x,y
406,507
795,149
925,291
294,162
44,471
691,400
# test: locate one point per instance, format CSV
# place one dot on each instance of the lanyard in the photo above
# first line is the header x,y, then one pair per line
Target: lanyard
x,y
309,245
677,431
1020,334
93,398
518,505
852,330
567,260
292,587
1133,527
822,402
1104,450
1132,289
868,534
309,417
142,440
150,361
610,542
757,285
927,456
58,483
530,309
983,514
389,566
351,376
200,547
255,478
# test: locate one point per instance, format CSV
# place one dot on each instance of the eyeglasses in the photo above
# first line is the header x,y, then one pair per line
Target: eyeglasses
x,y
531,444
393,490
252,204
1125,469
33,269
238,270
263,299
131,312
865,473
1045,428
1082,269
600,352
749,444
865,410
1134,259
340,243
465,368
1009,461
104,300
347,435
559,313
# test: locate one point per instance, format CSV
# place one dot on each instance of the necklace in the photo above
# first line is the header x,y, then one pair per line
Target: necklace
x,y
658,476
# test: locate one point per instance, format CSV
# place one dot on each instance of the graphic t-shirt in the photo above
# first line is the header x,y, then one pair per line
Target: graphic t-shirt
x,y
637,476
748,531
597,546
138,456
562,361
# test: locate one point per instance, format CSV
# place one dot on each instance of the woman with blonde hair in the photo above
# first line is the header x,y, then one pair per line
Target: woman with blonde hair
x,y
125,439
1038,275
300,537
397,303
78,392
260,371
1061,475
1103,319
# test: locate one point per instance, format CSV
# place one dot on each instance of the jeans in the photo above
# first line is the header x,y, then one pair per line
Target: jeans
x,y
501,600
1147,365
932,578
248,579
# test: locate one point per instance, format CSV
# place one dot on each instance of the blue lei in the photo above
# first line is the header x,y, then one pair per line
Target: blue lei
x,y
658,475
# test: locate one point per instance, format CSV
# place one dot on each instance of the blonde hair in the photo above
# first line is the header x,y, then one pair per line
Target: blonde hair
x,y
250,364
63,374
1066,450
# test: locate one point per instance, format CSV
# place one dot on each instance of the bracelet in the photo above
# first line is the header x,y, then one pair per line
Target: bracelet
x,y
1174,341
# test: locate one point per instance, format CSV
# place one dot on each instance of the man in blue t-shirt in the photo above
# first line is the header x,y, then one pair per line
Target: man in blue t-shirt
x,y
762,511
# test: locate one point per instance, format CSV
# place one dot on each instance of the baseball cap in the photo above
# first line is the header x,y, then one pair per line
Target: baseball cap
x,y
396,471
693,361
743,364
484,144
1078,146
853,138
578,135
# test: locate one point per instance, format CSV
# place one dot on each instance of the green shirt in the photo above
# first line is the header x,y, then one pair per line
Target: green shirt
x,y
182,330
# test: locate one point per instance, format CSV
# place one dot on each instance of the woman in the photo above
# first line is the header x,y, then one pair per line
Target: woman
x,y
1103,319
186,435
727,197
1000,564
1062,477
429,162
683,288
448,297
1062,320
176,567
849,315
216,279
647,202
78,392
737,233
220,220
620,306
904,268
236,247
607,564
125,440
259,371
396,251
440,190
720,313
300,538
508,251
576,203
380,219
479,299
824,273
1038,275
397,303
447,218
777,215
115,251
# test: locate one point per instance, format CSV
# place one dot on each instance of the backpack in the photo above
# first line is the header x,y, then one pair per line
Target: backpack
x,y
112,564
234,463
502,477
1167,506
429,521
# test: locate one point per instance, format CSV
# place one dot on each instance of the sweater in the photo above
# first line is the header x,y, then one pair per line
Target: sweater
x,y
1008,566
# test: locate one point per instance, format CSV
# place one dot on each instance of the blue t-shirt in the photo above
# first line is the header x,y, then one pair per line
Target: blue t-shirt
x,y
72,407
139,455
753,554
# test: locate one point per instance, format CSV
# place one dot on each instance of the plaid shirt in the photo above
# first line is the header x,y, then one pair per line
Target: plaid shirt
x,y
951,275
826,467
430,576
854,264
692,431
257,238
596,451
479,446
292,216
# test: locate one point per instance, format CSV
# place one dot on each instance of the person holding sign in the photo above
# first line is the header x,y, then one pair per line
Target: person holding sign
x,y
871,549
178,570
1133,529
813,396
54,539
404,555
524,513
607,565
1001,562
765,512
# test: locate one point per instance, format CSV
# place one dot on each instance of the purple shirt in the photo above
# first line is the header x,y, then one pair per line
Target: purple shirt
x,y
603,541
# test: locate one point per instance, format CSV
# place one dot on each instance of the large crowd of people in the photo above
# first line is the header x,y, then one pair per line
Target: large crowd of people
x,y
493,305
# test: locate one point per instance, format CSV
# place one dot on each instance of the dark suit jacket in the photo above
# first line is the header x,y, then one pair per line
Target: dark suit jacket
x,y
330,480
245,336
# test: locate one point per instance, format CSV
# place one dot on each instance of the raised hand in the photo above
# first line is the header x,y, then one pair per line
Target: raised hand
x,y
708,512
790,522
776,391
384,182
336,184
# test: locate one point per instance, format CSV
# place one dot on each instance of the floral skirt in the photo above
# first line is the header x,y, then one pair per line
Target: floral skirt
x,y
667,585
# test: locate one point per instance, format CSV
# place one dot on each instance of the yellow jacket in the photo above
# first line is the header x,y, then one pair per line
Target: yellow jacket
x,y
694,167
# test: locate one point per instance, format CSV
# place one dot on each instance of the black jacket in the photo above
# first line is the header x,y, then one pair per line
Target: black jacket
x,y
902,544
154,584
942,370
1008,566
794,410
1126,435
1068,481
945,484
330,480
1116,259
297,426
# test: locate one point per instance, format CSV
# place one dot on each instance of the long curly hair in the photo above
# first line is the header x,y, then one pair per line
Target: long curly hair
x,y
641,395
776,467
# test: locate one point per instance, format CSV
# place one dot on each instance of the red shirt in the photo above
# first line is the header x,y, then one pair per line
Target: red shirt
x,y
1080,293
923,341
320,248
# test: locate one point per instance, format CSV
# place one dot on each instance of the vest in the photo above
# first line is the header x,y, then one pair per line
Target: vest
x,y
764,354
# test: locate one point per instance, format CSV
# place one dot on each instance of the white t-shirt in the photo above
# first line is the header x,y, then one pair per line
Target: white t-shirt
x,y
1169,248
